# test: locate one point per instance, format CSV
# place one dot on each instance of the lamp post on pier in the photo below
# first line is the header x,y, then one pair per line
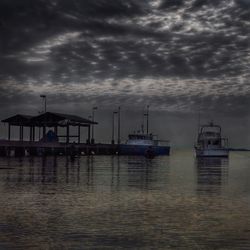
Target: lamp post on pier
x,y
119,125
113,128
89,129
44,97
45,102
93,119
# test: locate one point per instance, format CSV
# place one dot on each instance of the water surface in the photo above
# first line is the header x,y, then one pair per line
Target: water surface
x,y
111,202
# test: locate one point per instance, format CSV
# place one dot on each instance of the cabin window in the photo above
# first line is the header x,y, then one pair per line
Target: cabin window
x,y
217,142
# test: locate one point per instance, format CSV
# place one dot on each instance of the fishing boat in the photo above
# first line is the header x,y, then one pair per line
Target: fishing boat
x,y
144,144
210,142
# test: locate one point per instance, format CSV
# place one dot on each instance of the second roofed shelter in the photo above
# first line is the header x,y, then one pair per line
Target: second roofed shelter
x,y
49,120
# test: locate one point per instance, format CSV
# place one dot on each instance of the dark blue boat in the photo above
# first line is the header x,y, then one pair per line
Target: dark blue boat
x,y
144,144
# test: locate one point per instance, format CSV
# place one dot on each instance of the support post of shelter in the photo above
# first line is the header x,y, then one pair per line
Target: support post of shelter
x,y
39,133
20,133
88,140
55,130
67,135
33,133
9,131
44,131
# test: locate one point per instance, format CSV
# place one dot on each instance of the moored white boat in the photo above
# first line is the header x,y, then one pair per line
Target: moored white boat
x,y
210,142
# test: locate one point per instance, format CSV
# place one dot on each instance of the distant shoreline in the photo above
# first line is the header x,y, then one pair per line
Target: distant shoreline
x,y
238,149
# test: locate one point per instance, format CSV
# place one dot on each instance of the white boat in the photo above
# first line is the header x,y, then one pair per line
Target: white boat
x,y
210,142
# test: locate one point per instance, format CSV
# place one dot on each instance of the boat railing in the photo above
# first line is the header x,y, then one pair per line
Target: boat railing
x,y
210,126
208,143
224,142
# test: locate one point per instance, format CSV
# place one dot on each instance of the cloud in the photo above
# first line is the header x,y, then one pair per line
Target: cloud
x,y
173,53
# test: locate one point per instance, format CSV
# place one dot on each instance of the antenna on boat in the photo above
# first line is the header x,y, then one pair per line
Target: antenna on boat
x,y
147,115
142,128
199,120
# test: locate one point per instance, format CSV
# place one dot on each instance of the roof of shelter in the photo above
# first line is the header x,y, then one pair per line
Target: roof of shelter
x,y
60,119
18,119
49,119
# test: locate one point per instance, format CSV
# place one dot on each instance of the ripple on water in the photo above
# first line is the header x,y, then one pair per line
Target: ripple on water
x,y
125,202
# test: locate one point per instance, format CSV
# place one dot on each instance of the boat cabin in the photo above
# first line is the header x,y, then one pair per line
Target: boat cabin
x,y
141,139
210,136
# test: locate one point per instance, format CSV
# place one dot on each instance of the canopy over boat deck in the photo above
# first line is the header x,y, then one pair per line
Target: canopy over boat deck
x,y
49,120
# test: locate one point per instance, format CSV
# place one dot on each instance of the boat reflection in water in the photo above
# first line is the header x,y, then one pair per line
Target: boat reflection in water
x,y
212,174
124,202
89,173
147,174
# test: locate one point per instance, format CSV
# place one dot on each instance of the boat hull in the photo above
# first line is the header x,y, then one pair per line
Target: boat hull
x,y
126,149
222,152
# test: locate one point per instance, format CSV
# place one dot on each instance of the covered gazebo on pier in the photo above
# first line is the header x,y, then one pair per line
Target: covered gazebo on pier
x,y
49,120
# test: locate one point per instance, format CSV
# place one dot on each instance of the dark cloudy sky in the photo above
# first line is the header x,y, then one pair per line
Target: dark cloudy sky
x,y
178,56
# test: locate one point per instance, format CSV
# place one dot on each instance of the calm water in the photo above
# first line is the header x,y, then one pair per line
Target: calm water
x,y
106,202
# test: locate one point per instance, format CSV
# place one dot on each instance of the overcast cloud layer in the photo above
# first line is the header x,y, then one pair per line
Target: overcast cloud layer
x,y
176,55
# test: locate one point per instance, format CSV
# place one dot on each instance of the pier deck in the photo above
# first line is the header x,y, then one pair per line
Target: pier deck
x,y
21,148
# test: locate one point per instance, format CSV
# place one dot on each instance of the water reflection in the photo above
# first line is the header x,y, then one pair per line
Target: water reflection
x,y
113,202
88,172
212,174
49,170
141,173
115,173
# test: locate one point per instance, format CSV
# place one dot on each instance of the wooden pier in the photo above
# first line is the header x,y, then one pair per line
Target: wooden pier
x,y
29,148
50,142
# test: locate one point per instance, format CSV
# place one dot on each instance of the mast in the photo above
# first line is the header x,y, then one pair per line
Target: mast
x,y
199,121
199,124
147,115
